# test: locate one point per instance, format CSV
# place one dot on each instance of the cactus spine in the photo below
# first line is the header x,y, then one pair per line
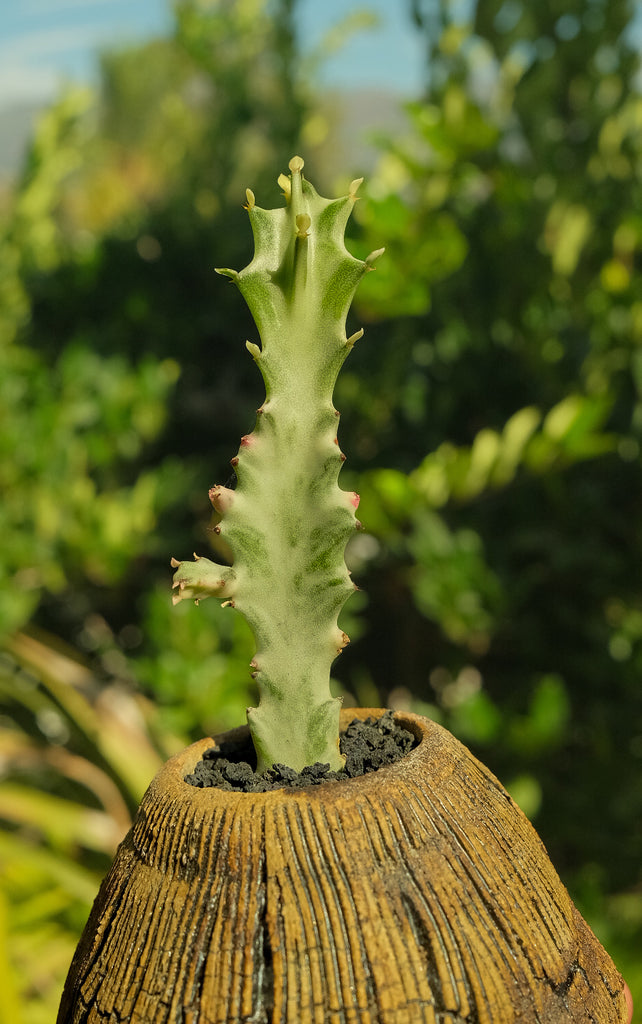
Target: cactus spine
x,y
288,521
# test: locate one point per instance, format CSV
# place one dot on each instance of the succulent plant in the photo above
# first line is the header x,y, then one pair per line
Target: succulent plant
x,y
288,522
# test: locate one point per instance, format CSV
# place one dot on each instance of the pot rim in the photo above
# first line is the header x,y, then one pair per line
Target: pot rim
x,y
176,768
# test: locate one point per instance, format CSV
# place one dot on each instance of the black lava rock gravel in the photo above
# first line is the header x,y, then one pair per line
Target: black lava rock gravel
x,y
367,746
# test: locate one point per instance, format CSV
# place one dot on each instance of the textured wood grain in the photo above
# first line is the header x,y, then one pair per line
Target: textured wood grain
x,y
419,893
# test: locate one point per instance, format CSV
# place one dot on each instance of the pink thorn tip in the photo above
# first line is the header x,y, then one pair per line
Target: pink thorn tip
x,y
221,497
355,499
345,640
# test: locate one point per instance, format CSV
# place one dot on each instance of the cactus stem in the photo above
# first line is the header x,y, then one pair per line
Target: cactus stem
x,y
287,521
200,579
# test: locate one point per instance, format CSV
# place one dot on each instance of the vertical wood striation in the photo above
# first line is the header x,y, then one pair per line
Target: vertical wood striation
x,y
419,893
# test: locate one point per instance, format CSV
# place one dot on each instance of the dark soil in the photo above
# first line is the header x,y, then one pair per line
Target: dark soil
x,y
367,746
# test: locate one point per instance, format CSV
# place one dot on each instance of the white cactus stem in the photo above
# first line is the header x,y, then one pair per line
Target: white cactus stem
x,y
288,521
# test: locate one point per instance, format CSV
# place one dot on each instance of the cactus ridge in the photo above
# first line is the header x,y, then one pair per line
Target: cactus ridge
x,y
288,521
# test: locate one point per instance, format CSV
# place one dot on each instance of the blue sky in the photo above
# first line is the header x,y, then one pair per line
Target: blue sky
x,y
44,43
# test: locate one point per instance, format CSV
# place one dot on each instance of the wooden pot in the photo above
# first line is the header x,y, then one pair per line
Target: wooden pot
x,y
418,893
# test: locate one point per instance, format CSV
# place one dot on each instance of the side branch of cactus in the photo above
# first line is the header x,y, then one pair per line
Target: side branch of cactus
x,y
288,521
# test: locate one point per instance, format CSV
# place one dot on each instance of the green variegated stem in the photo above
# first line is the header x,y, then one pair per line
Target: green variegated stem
x,y
288,522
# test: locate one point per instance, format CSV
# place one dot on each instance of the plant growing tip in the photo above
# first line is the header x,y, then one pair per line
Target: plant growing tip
x,y
226,272
373,257
288,522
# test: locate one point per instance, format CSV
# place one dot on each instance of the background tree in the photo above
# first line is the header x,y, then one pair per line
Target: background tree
x,y
506,578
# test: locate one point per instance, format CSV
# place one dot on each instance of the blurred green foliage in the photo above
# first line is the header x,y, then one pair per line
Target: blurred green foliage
x,y
507,533
492,417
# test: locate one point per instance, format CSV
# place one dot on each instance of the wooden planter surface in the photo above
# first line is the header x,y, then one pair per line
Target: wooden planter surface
x,y
419,893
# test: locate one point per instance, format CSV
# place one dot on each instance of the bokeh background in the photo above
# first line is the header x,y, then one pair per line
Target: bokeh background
x,y
492,417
